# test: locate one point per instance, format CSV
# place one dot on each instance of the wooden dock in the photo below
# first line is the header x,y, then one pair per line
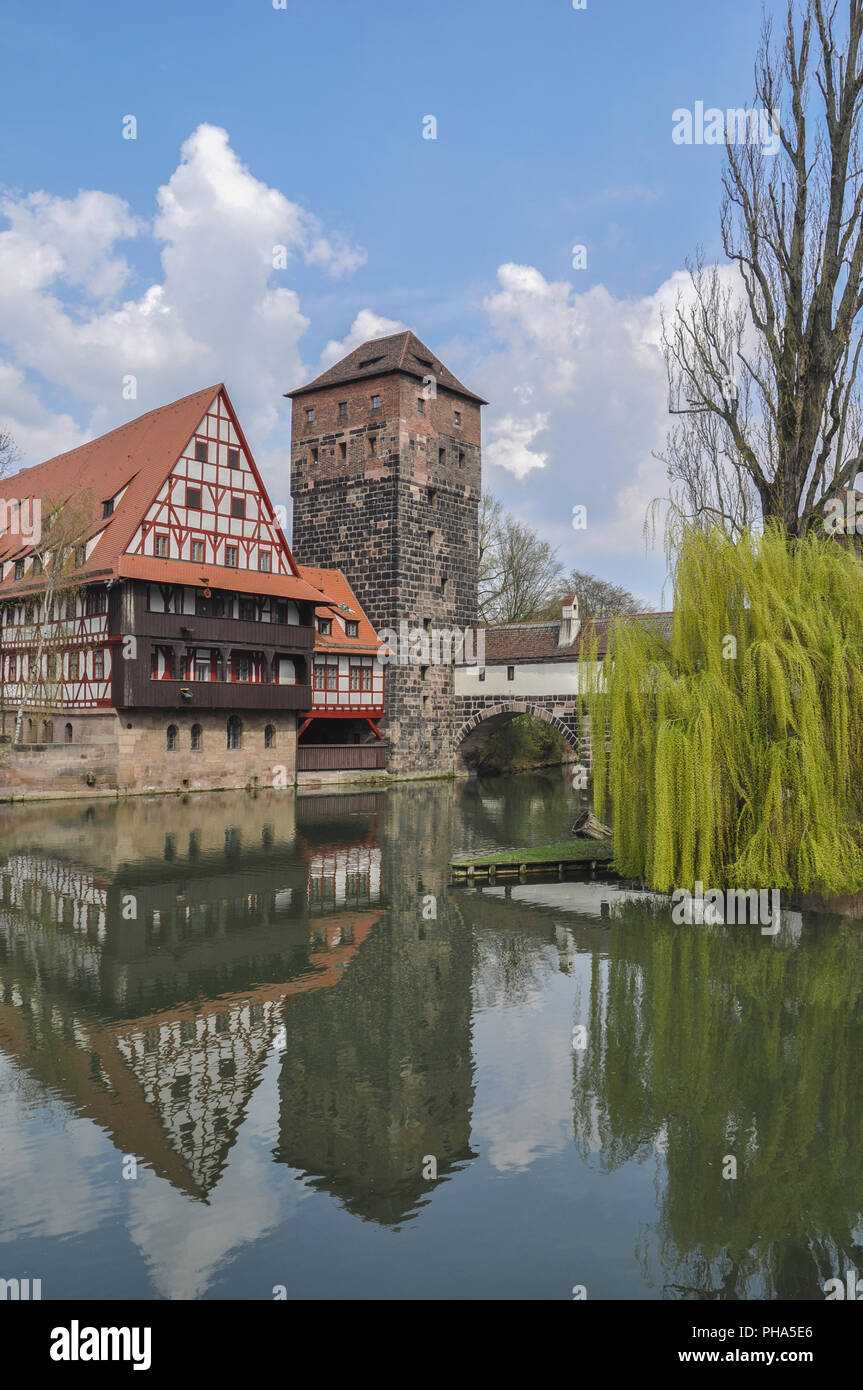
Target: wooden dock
x,y
541,859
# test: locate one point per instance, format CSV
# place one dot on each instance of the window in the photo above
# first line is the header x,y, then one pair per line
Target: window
x,y
432,496
441,458
233,458
361,678
343,410
241,668
202,665
161,547
325,626
13,667
231,557
456,415
98,665
352,628
264,561
510,673
196,748
376,402
193,498
171,740
235,732
373,446
74,665
313,456
19,569
310,415
343,449
197,552
421,405
107,508
96,601
248,610
67,733
280,611
238,507
270,736
461,458
162,664
201,452
48,731
326,675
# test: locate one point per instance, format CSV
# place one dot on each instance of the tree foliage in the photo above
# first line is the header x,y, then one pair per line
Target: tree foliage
x,y
734,755
517,570
597,598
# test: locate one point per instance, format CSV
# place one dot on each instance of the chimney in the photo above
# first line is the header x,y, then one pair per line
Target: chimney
x,y
570,623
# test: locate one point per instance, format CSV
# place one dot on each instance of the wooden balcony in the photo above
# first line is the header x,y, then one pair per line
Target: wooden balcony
x,y
341,757
193,631
227,695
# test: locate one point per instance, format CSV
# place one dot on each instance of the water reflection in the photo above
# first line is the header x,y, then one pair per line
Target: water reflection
x,y
284,1012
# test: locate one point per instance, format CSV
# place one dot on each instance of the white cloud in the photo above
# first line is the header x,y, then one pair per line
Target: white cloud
x,y
365,326
509,444
219,312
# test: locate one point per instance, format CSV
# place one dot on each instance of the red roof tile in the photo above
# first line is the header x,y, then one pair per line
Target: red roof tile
x,y
339,594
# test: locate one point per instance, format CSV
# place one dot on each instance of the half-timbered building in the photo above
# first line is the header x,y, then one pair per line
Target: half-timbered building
x,y
177,647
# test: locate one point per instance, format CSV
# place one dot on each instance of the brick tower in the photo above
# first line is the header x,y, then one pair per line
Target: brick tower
x,y
386,466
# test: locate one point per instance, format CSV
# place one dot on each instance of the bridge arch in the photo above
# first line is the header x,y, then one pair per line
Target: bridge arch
x,y
476,730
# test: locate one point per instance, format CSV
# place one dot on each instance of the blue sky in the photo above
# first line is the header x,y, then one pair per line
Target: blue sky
x,y
304,127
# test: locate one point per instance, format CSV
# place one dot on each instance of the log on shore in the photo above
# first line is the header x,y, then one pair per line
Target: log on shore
x,y
587,827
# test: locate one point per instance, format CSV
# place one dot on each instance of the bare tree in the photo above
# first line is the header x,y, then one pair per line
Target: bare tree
x,y
762,356
65,524
597,598
517,570
9,452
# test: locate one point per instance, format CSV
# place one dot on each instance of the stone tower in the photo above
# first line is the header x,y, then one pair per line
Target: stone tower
x,y
385,480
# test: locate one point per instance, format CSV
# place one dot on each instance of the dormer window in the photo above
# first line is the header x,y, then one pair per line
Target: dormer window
x,y
352,629
201,450
325,627
107,508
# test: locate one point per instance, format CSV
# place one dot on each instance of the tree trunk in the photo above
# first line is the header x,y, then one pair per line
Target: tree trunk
x,y
587,827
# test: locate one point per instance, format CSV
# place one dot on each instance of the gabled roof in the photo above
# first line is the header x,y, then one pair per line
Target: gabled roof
x,y
344,602
398,352
137,456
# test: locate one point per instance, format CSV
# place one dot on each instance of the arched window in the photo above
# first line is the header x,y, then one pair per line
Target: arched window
x,y
270,736
48,731
196,737
31,731
235,732
171,738
67,733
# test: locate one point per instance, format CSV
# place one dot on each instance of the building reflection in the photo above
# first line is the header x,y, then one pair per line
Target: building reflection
x,y
152,957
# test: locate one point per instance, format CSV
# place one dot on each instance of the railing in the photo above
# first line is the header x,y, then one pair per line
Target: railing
x,y
234,632
232,695
340,757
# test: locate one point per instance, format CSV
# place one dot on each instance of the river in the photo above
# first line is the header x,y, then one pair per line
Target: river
x,y
256,1047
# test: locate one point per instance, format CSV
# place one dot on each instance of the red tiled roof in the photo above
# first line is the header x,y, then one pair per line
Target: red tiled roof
x,y
218,577
138,456
339,592
512,643
398,352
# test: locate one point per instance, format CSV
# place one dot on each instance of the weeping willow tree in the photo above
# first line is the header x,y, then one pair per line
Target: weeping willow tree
x,y
735,755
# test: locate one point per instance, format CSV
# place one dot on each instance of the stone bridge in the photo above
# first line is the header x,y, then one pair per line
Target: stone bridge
x,y
478,717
